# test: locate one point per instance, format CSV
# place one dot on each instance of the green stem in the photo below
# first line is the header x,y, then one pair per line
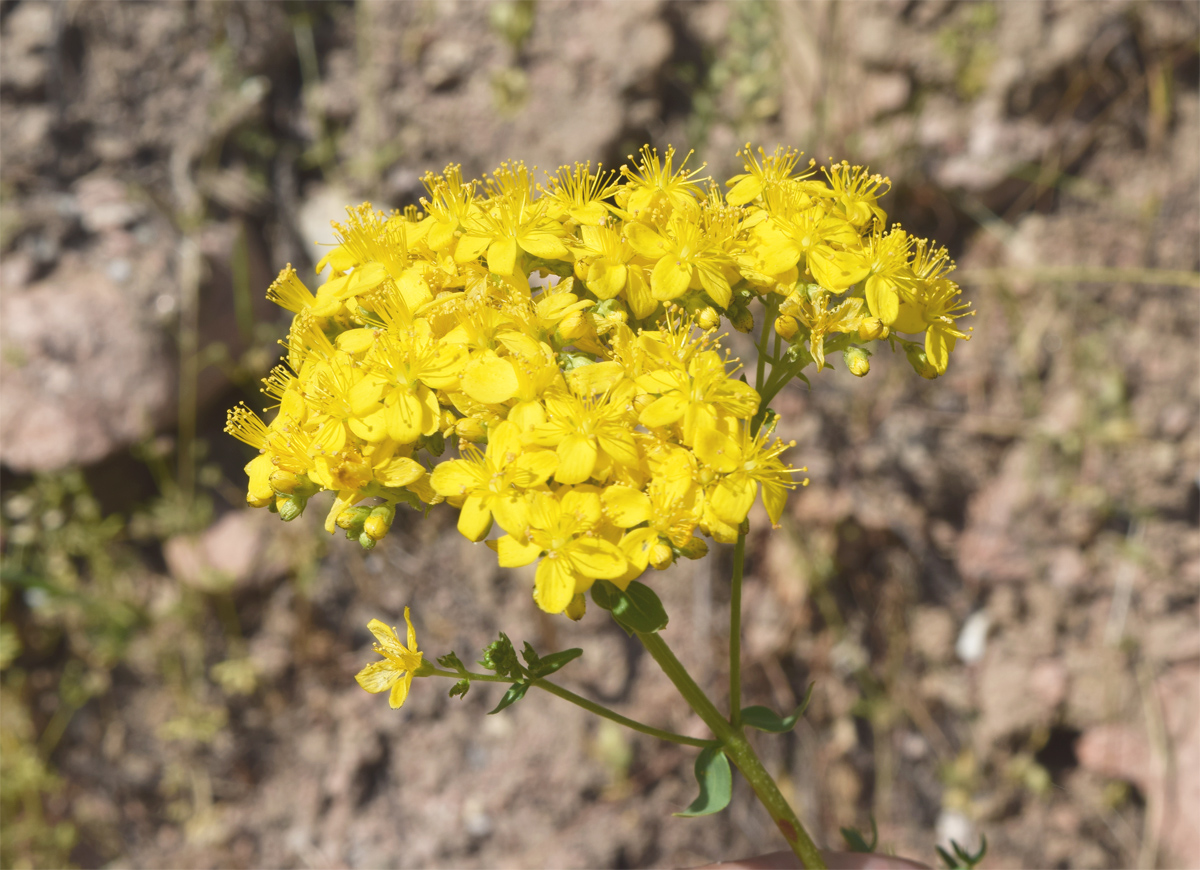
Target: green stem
x,y
603,711
740,752
735,632
591,706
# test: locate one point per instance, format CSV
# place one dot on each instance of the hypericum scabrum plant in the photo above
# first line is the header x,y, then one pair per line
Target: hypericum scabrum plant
x,y
563,335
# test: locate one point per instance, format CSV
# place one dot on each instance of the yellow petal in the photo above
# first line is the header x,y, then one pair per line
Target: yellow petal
x,y
595,559
717,450
490,379
731,499
882,299
378,676
502,256
405,417
576,459
747,189
514,553
545,245
645,240
663,411
401,471
937,348
835,270
606,278
400,691
511,511
475,519
626,506
456,477
469,247
670,279
554,585
356,340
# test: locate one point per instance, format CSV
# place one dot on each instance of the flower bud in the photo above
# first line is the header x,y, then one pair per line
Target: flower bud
x,y
741,319
695,548
577,607
352,517
858,361
920,362
471,429
871,328
435,443
574,326
786,326
708,317
611,309
284,481
643,401
366,541
290,507
379,522
661,556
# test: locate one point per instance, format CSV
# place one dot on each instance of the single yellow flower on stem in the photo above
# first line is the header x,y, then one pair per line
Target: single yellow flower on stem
x,y
395,672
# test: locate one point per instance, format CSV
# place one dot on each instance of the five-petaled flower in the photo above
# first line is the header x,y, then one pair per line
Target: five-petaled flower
x,y
395,672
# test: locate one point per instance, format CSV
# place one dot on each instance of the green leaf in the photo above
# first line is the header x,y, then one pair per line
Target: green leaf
x,y
854,838
716,783
637,609
766,719
515,693
460,689
554,662
451,662
531,657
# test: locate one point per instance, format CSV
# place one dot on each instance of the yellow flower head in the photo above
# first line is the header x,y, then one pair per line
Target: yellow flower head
x,y
395,673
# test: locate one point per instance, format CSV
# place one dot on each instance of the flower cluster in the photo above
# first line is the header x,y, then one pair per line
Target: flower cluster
x,y
562,335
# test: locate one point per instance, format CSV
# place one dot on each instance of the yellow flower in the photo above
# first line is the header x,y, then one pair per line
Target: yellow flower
x,y
702,396
494,482
395,672
578,194
559,530
741,464
590,434
654,189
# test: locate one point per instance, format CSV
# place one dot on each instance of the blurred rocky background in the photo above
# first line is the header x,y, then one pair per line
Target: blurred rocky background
x,y
994,579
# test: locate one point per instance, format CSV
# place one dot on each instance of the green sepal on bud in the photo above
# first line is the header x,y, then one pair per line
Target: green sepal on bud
x,y
290,507
460,689
435,443
568,362
379,522
920,362
352,518
611,309
857,360
695,548
740,318
366,541
577,608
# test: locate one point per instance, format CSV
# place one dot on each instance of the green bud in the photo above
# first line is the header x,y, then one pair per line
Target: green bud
x,y
920,362
379,522
741,319
291,507
858,361
366,541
